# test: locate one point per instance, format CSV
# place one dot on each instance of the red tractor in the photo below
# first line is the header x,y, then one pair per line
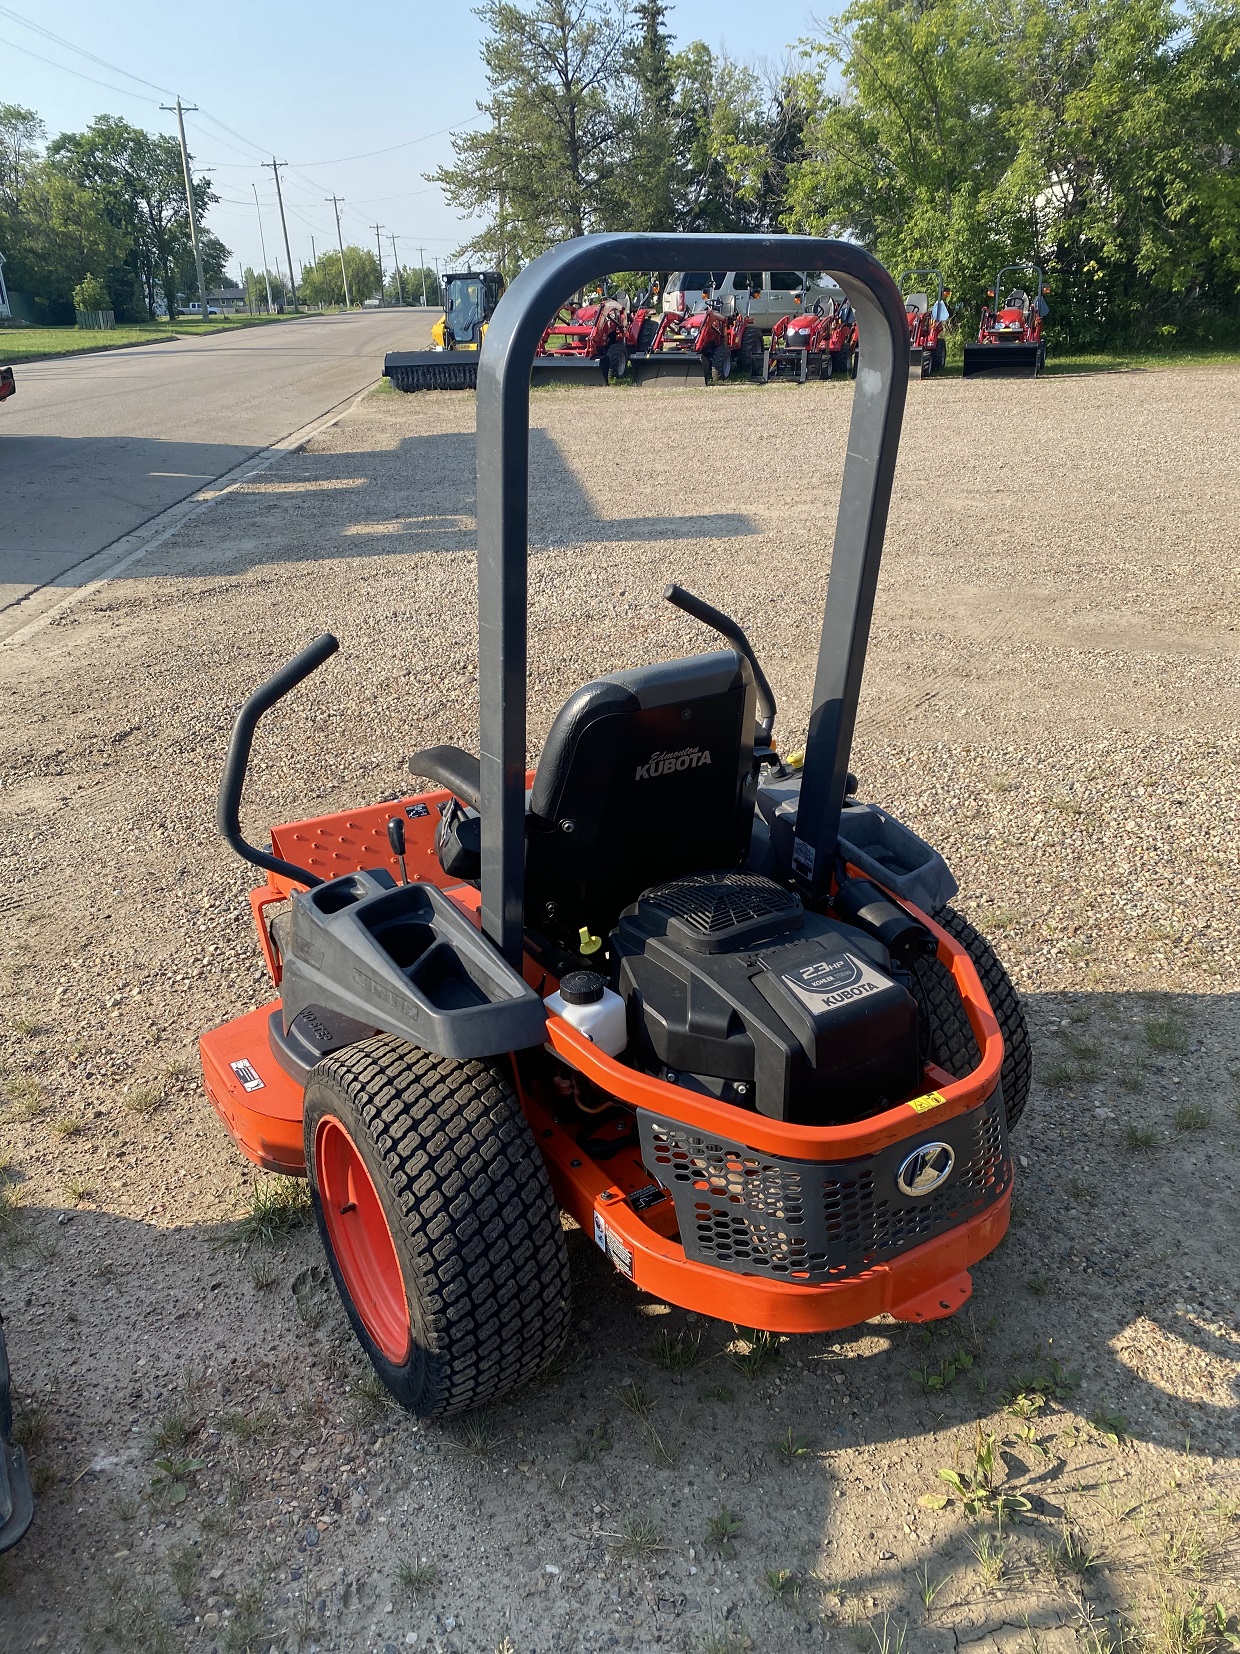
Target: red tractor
x,y
706,341
801,344
927,321
587,339
843,343
1009,340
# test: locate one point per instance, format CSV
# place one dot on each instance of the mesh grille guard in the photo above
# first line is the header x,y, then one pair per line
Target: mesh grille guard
x,y
812,1221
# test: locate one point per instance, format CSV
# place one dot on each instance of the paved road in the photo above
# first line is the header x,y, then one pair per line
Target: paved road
x,y
91,447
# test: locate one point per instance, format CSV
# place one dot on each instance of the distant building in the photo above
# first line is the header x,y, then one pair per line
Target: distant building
x,y
225,300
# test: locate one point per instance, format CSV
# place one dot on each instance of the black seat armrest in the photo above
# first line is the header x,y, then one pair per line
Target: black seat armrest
x,y
453,768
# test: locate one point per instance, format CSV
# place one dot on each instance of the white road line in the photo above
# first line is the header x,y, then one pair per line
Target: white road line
x,y
137,544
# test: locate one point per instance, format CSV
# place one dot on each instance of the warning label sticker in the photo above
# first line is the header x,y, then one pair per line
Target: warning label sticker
x,y
803,857
248,1075
829,983
621,1257
923,1104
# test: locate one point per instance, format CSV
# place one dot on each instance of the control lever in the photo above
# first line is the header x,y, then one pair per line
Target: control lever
x,y
396,838
727,627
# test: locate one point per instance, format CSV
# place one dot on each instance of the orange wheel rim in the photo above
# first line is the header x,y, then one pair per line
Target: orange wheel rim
x,y
361,1240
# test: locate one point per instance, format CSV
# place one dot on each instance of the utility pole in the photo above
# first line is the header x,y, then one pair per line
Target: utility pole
x,y
193,210
263,245
314,257
376,228
422,267
400,291
335,201
275,167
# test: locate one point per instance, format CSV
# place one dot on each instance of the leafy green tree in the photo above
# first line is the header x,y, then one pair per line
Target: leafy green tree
x,y
651,178
92,294
138,177
321,282
544,166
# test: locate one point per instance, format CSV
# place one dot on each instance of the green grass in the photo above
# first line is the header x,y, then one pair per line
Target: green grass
x,y
36,344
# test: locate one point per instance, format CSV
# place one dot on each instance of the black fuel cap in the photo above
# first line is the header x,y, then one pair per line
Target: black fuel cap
x,y
582,988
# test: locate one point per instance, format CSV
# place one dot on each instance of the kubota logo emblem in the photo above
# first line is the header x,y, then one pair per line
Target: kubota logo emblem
x,y
926,1169
663,763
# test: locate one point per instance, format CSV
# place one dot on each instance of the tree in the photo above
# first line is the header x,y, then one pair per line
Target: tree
x,y
651,179
544,168
139,179
321,283
1100,138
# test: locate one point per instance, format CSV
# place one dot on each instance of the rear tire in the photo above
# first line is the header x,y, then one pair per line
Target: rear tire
x,y
749,356
940,356
646,333
721,362
952,1042
440,1155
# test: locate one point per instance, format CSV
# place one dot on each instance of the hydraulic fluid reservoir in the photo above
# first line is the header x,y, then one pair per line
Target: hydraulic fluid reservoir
x,y
585,1001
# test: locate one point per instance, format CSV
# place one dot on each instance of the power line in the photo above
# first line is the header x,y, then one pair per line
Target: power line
x,y
340,160
60,40
64,68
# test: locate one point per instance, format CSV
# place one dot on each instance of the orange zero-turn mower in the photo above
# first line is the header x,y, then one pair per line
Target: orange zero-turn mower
x,y
700,998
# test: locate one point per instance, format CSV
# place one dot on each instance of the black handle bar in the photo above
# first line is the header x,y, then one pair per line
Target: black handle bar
x,y
727,627
228,805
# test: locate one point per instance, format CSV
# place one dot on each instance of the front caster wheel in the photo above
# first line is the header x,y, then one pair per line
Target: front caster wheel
x,y
437,1216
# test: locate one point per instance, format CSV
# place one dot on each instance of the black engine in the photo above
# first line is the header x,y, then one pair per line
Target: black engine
x,y
737,990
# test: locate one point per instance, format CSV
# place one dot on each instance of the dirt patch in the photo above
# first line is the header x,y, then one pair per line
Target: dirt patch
x,y
1051,698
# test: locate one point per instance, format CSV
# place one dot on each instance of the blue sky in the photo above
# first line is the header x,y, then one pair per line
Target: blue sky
x,y
324,84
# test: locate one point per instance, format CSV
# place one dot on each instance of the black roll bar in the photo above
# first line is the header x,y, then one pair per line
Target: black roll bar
x,y
228,802
504,365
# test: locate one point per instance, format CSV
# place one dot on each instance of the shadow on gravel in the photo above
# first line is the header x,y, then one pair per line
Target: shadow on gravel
x,y
803,1473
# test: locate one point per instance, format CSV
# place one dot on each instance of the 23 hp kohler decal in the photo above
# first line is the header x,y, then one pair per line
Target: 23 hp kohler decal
x,y
663,763
831,982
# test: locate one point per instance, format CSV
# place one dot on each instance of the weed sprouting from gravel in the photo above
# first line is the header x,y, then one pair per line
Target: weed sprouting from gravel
x,y
479,1432
1112,1425
1069,1557
145,1100
927,1588
791,1447
1184,1547
32,1426
638,1537
722,1529
264,1273
991,1554
597,1442
184,1565
372,1396
69,1125
676,1352
1056,1075
784,1585
753,1352
1192,1117
25,1094
244,1633
11,1236
419,1577
133,1620
1085,1192
173,1432
1038,1285
1166,1033
888,1637
278,1206
1141,1139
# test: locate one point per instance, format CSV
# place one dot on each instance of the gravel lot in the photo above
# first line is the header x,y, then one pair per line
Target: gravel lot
x,y
1051,698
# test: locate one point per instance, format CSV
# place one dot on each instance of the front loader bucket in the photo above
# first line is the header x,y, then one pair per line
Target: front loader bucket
x,y
432,370
1002,361
670,364
569,370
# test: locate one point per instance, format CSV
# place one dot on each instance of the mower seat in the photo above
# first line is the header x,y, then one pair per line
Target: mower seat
x,y
645,775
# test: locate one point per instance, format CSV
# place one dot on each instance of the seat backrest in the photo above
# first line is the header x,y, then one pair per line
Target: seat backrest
x,y
645,775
